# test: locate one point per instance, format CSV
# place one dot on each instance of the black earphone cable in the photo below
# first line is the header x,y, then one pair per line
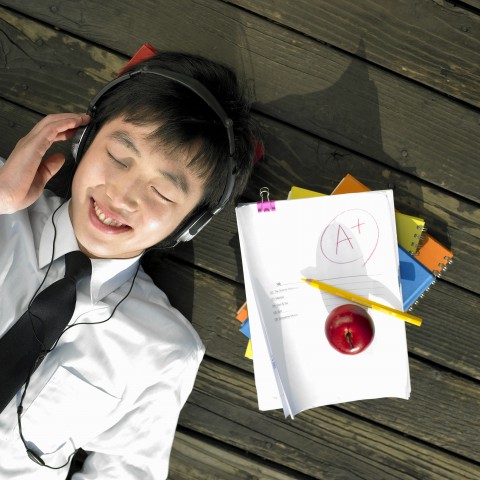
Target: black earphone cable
x,y
43,352
46,273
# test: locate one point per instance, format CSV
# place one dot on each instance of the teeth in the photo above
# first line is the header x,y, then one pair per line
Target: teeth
x,y
104,219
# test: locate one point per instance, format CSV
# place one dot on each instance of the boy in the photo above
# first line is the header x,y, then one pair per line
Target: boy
x,y
155,160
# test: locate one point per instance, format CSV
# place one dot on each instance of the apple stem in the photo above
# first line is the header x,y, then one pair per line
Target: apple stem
x,y
349,338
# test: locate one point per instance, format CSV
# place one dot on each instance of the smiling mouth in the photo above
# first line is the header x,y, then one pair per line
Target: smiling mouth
x,y
105,219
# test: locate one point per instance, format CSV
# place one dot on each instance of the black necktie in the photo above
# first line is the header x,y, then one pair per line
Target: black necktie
x,y
39,327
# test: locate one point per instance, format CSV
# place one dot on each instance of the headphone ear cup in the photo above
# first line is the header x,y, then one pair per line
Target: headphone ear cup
x,y
81,141
195,225
77,139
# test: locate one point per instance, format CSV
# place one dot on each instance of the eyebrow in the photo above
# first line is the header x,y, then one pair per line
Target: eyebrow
x,y
178,180
125,139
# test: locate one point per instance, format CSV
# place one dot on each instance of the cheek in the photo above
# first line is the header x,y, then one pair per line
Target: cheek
x,y
88,174
159,223
156,221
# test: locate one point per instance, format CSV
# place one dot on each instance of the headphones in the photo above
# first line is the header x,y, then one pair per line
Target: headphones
x,y
195,224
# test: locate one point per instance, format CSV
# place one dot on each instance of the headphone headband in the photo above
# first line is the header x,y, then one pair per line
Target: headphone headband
x,y
189,82
203,217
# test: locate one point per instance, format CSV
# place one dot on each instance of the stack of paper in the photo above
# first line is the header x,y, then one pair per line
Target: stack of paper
x,y
348,241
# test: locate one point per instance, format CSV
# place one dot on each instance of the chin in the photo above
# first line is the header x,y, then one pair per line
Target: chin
x,y
100,250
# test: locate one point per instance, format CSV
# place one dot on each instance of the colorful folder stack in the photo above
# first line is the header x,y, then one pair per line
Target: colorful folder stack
x,y
422,257
411,233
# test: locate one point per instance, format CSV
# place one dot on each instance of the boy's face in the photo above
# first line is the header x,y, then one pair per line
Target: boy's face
x,y
128,194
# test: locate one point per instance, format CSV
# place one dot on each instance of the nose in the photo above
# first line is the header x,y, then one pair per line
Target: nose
x,y
124,193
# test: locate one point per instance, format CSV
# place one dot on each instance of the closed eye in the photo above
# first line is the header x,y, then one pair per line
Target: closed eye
x,y
116,162
162,197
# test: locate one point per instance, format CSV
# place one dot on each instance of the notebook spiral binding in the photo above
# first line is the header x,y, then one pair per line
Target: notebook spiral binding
x,y
419,240
442,266
415,303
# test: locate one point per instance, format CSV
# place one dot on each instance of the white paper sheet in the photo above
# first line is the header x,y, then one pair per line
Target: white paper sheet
x,y
348,241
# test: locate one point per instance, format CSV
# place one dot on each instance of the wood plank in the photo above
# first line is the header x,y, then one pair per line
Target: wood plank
x,y
439,401
434,43
48,71
446,334
472,3
430,412
324,442
15,122
296,79
202,459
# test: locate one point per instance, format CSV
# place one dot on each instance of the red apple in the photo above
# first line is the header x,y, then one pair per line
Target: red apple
x,y
349,329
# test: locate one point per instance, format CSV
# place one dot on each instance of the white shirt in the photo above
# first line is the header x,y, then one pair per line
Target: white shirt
x,y
114,389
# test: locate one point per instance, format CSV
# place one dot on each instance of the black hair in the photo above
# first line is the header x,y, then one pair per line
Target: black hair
x,y
186,122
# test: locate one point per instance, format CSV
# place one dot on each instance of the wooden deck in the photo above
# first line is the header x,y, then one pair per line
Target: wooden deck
x,y
387,91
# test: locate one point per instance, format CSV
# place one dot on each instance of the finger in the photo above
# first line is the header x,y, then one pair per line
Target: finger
x,y
62,129
22,192
23,171
30,149
47,169
50,166
58,117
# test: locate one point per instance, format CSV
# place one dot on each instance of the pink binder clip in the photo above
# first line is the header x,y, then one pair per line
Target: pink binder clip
x,y
265,205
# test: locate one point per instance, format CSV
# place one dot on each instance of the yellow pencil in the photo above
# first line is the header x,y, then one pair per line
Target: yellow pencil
x,y
406,317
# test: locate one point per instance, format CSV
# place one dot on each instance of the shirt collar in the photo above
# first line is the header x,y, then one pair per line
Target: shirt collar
x,y
108,274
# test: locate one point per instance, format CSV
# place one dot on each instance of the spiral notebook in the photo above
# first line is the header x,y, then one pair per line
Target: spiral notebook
x,y
435,256
416,279
325,238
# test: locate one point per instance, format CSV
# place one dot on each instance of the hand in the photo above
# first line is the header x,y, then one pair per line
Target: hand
x,y
24,175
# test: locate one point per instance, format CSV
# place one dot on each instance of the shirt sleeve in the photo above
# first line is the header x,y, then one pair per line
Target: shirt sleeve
x,y
138,446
